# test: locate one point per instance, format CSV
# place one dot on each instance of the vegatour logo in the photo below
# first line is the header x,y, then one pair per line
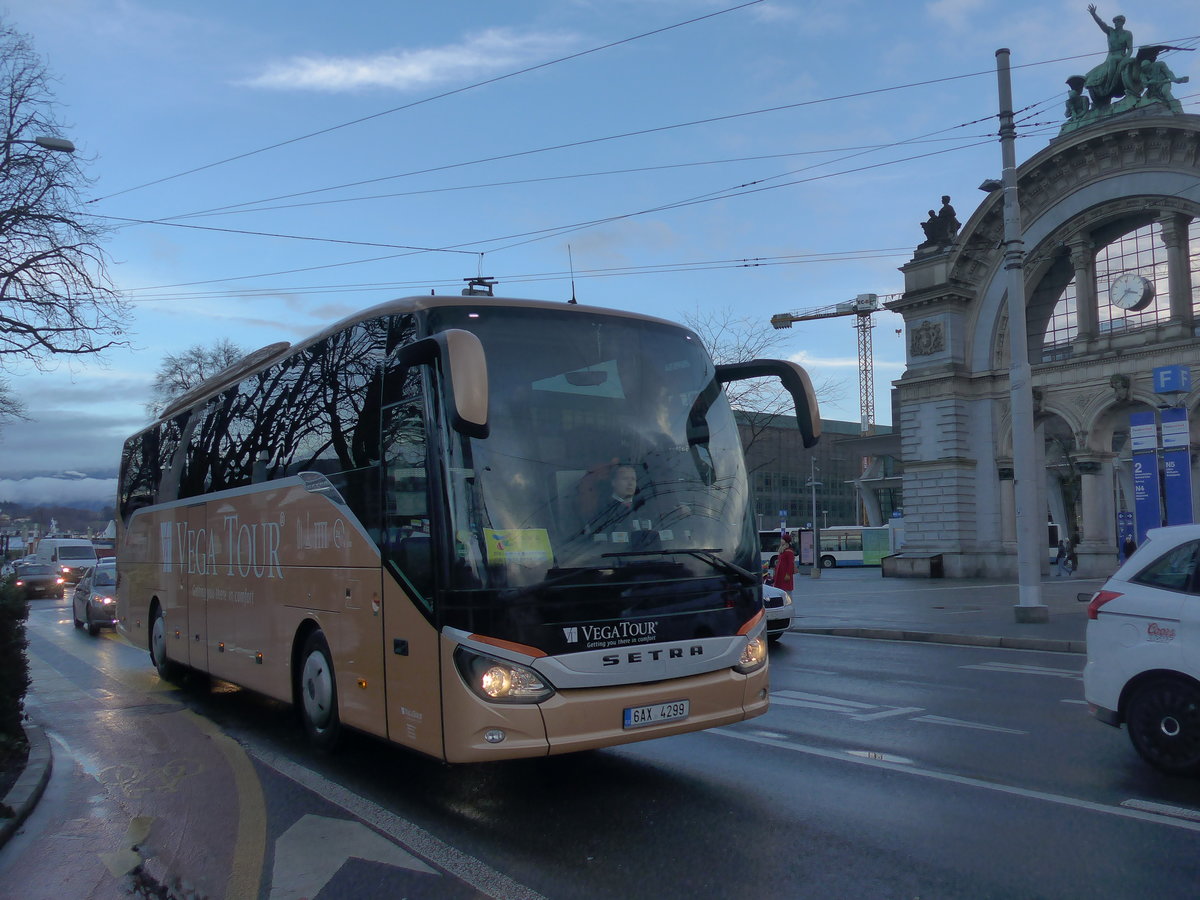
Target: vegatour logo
x,y
613,634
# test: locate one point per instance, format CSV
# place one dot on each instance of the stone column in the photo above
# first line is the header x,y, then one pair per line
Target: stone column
x,y
1097,544
1174,236
1087,316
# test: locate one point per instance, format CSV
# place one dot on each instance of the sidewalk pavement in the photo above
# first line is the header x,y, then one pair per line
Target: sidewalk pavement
x,y
848,602
972,611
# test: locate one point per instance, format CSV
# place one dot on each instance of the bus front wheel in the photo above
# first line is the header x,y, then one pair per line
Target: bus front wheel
x,y
318,693
828,562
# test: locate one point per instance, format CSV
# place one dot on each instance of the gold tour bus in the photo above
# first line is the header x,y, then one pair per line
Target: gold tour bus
x,y
406,525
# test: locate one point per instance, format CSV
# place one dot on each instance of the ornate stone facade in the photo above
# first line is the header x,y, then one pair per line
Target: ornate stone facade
x,y
1087,190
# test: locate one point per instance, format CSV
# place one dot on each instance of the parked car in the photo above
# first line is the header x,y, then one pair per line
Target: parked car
x,y
94,602
37,580
1143,650
779,609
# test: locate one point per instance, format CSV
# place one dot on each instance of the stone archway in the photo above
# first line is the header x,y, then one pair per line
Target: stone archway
x,y
1080,196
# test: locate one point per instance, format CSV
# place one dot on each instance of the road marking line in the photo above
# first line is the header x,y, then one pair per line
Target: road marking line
x,y
1025,670
1178,812
452,860
885,757
963,723
963,780
887,713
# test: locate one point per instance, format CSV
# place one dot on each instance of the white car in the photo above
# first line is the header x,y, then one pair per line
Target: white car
x,y
1143,650
779,609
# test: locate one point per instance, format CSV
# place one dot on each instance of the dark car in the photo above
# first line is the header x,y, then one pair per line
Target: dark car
x,y
94,603
38,580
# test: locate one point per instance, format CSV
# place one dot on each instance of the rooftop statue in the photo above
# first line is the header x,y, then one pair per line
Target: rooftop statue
x,y
1113,76
1158,78
1123,82
941,228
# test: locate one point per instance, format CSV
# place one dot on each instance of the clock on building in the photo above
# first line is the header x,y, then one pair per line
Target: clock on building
x,y
1131,292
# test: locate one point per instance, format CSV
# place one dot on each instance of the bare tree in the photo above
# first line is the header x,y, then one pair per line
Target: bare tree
x,y
55,295
10,407
731,338
180,372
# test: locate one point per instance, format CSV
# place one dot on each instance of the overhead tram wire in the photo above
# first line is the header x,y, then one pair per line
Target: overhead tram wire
x,y
585,142
291,237
548,178
572,144
542,234
443,95
548,233
534,277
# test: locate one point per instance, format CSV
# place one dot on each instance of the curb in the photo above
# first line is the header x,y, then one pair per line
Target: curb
x,y
968,640
24,795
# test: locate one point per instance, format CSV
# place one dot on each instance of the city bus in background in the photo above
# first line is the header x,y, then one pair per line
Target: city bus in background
x,y
859,545
401,525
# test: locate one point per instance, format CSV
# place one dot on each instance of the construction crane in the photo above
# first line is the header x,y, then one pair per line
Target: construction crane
x,y
861,307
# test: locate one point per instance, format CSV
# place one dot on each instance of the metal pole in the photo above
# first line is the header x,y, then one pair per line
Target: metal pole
x,y
1020,377
816,533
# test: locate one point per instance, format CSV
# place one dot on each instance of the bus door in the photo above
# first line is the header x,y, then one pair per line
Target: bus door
x,y
186,549
410,640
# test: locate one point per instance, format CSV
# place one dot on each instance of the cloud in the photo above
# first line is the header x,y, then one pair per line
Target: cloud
x,y
47,491
957,14
477,56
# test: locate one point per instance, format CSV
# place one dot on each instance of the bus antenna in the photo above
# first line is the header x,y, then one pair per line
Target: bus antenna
x,y
571,260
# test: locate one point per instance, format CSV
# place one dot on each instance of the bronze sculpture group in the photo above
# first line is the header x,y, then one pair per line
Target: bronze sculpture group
x,y
1134,79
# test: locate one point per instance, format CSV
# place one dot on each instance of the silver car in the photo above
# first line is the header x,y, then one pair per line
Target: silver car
x,y
94,603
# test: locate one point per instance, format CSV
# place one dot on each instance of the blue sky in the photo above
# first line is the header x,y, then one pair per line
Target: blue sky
x,y
768,159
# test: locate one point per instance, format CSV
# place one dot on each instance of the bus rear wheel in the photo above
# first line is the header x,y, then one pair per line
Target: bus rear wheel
x,y
317,692
828,562
167,670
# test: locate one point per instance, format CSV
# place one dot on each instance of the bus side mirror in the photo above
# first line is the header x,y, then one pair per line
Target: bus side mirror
x,y
464,372
795,381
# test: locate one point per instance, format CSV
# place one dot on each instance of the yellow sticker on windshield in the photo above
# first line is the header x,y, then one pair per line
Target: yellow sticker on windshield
x,y
518,546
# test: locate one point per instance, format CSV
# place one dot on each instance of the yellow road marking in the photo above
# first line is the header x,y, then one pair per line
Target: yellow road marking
x,y
250,849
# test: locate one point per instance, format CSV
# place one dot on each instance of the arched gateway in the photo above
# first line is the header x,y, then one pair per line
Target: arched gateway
x,y
1119,196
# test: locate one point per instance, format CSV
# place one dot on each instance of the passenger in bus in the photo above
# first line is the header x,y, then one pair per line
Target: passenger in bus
x,y
785,568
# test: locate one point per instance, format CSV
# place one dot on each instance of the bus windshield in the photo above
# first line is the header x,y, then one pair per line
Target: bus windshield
x,y
612,450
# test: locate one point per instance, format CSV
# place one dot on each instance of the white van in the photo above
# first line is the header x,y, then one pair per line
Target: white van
x,y
70,556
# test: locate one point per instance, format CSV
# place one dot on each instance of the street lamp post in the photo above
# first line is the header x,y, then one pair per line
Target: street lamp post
x,y
813,484
1029,521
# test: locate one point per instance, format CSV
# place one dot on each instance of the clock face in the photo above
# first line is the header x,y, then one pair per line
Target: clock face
x,y
1131,292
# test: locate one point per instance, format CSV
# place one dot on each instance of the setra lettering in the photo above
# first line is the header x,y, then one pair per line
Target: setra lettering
x,y
640,656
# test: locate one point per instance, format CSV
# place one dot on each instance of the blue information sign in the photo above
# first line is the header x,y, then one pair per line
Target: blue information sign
x,y
1177,468
1147,505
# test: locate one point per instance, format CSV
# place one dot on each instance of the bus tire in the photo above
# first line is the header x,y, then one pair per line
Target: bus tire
x,y
316,689
828,562
167,670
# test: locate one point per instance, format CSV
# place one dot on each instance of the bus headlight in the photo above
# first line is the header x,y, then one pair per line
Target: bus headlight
x,y
753,658
501,681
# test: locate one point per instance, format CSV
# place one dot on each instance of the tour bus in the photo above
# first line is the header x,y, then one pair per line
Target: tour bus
x,y
397,526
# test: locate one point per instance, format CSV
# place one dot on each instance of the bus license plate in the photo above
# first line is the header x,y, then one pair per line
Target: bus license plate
x,y
638,716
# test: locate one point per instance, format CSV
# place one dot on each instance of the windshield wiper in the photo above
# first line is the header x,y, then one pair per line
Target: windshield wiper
x,y
709,555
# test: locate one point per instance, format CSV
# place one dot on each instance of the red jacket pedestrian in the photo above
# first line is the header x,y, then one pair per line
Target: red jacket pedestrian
x,y
785,569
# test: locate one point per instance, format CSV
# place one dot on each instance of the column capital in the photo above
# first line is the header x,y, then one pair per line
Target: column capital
x,y
1174,227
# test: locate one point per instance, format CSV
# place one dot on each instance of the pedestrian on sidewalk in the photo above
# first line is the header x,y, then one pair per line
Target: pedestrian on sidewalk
x,y
785,568
1064,559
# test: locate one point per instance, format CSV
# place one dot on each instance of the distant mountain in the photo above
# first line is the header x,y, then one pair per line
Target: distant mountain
x,y
76,490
